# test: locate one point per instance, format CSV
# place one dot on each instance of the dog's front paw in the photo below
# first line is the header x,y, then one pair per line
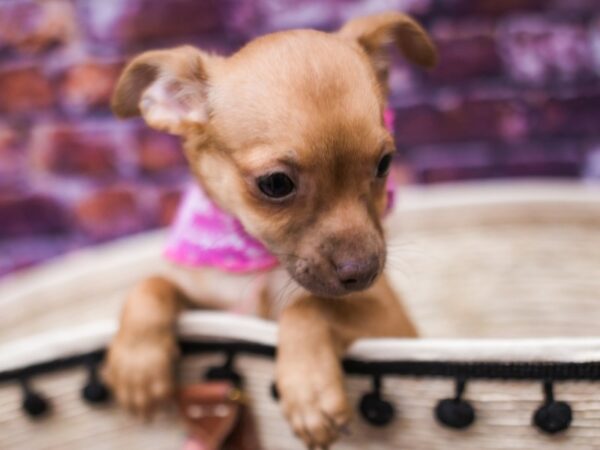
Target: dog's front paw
x,y
314,402
140,371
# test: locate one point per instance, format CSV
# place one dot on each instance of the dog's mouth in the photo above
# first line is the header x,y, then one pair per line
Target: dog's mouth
x,y
328,282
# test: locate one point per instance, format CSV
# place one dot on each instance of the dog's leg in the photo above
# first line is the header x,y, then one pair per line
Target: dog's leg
x,y
313,335
140,360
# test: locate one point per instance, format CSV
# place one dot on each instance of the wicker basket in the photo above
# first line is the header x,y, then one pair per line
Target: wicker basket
x,y
502,280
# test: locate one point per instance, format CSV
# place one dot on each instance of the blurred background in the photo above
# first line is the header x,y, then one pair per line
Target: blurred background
x,y
516,94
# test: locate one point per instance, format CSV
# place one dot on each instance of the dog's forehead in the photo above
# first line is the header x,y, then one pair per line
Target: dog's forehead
x,y
303,87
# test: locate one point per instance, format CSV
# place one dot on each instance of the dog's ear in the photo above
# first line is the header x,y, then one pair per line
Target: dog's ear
x,y
168,88
374,33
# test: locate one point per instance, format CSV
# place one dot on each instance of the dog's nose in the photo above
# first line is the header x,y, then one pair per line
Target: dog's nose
x,y
357,274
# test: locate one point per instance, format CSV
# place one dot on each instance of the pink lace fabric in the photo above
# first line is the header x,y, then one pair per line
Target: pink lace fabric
x,y
203,235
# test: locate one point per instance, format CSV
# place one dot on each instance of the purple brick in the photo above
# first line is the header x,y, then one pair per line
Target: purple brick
x,y
591,170
542,159
595,45
135,22
88,85
403,79
467,50
31,214
35,26
273,15
160,154
443,163
241,17
575,113
167,205
352,8
25,252
111,212
12,159
536,50
490,8
25,89
574,6
503,7
455,119
94,149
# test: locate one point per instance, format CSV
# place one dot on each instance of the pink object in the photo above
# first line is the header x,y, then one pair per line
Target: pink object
x,y
194,444
203,235
388,119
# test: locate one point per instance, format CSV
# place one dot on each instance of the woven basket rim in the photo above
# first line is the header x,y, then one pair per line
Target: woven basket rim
x,y
227,327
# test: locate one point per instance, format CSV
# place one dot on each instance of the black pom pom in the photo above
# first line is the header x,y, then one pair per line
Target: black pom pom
x,y
553,417
274,391
455,413
34,404
95,391
375,410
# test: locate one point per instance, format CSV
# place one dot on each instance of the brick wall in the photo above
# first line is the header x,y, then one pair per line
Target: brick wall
x,y
517,93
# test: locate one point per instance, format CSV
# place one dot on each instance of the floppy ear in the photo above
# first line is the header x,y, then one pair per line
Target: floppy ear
x,y
168,88
374,33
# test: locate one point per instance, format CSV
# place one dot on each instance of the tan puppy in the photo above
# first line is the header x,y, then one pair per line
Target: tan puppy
x,y
287,134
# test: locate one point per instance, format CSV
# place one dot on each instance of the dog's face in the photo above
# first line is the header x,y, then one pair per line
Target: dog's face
x,y
288,135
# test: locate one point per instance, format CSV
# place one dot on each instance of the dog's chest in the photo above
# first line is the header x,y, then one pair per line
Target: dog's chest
x,y
258,293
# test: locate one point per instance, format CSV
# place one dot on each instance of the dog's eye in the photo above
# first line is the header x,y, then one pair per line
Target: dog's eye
x,y
276,185
384,165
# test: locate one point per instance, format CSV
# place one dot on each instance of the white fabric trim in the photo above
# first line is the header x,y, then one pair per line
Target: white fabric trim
x,y
199,326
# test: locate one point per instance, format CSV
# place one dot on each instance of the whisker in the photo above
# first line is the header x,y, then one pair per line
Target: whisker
x,y
287,299
281,299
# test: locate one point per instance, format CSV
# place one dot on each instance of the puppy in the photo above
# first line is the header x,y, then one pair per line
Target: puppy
x,y
286,136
